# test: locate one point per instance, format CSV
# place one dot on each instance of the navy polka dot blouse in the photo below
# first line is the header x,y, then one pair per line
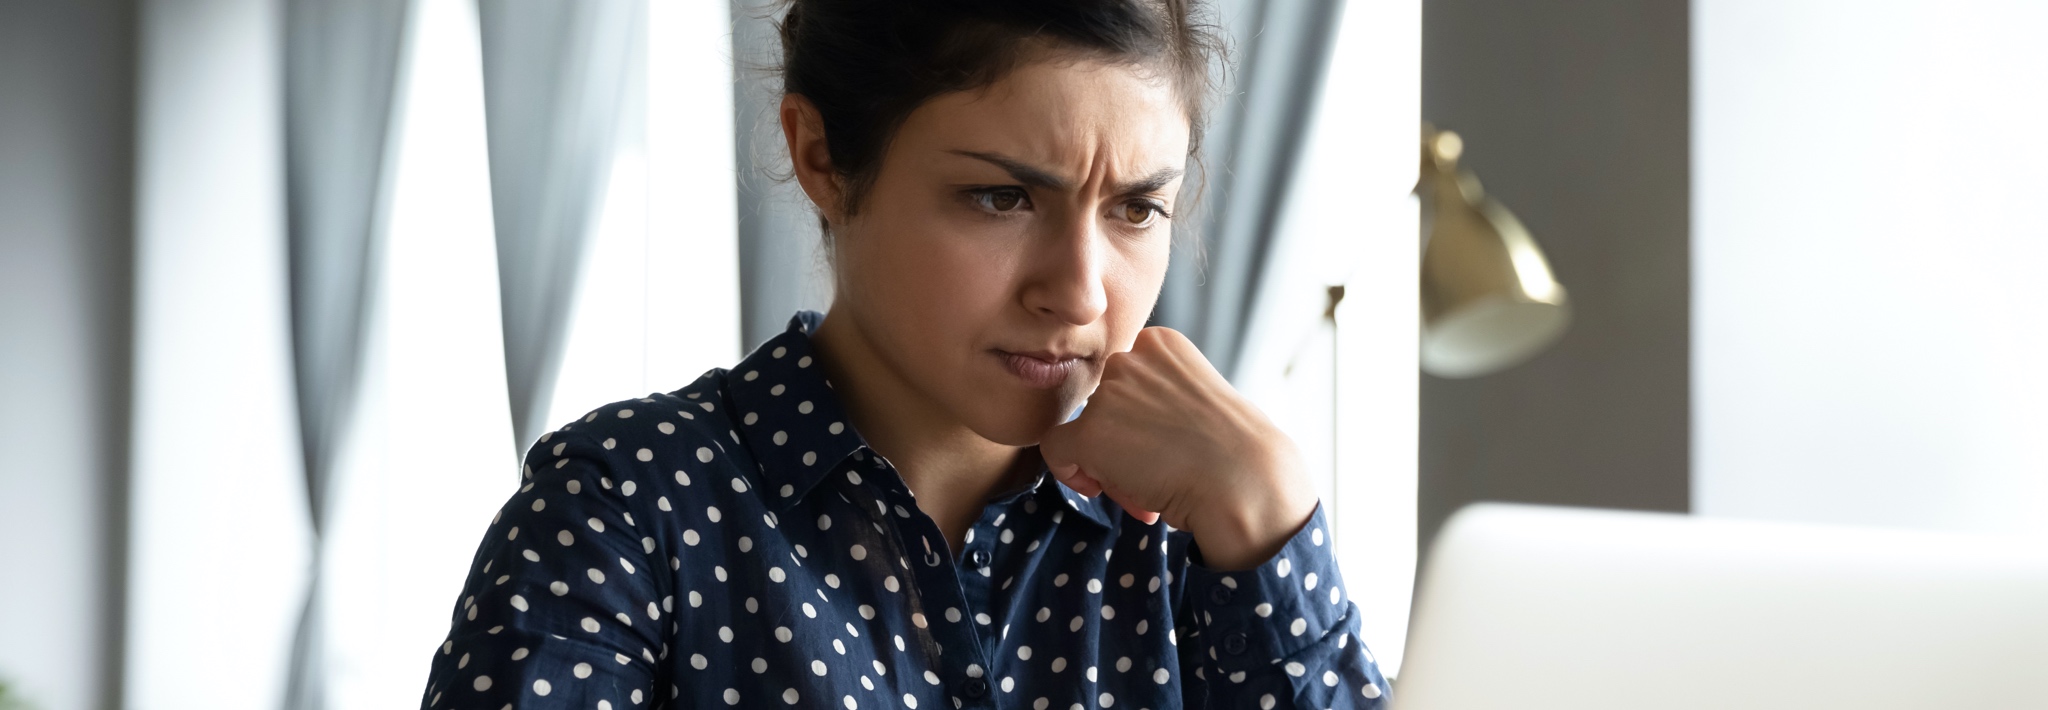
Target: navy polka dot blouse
x,y
735,543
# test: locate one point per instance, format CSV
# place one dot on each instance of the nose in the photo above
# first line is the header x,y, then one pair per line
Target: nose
x,y
1066,281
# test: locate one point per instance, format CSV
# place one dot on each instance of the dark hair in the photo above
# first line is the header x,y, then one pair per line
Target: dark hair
x,y
867,64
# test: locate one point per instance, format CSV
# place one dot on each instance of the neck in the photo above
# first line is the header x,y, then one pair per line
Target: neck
x,y
951,469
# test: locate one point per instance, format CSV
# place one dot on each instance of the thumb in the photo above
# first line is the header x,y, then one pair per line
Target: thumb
x,y
1144,516
1060,447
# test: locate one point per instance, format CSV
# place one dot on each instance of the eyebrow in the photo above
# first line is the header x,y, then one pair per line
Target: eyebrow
x,y
1038,177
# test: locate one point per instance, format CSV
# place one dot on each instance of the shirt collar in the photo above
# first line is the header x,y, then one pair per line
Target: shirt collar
x,y
798,431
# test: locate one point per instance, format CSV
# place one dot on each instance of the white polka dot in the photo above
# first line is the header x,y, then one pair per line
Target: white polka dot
x,y
789,696
1299,625
1094,586
711,513
595,575
1330,678
1294,668
565,538
519,654
1266,702
704,454
691,538
590,625
775,574
1024,653
628,488
1059,664
1316,536
582,670
1283,567
858,552
539,504
1309,581
810,458
519,602
953,614
666,428
1263,610
483,682
780,438
804,361
1105,700
573,486
1009,684
782,634
810,611
559,588
725,634
542,687
1370,691
625,414
1161,676
818,667
835,428
732,696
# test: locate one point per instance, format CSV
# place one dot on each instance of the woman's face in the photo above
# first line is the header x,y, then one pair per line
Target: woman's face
x,y
1013,237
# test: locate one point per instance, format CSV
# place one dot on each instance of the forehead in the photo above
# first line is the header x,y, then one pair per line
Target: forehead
x,y
1083,118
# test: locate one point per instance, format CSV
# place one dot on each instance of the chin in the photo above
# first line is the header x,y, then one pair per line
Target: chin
x,y
1018,418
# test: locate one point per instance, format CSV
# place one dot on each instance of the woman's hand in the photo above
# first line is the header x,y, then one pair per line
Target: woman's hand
x,y
1164,435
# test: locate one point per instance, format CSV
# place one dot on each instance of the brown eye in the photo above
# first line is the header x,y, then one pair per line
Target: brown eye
x,y
1140,213
1000,200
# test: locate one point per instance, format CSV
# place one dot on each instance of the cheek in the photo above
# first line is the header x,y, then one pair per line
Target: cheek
x,y
927,280
1133,289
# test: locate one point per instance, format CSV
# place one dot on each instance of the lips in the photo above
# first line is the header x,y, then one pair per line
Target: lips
x,y
1041,369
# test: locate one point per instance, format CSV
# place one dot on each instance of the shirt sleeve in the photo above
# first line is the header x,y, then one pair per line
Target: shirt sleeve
x,y
565,602
1282,635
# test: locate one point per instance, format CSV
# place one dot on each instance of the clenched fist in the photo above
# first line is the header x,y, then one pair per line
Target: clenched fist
x,y
1164,435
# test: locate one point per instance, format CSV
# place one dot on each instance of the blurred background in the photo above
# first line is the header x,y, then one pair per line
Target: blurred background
x,y
287,285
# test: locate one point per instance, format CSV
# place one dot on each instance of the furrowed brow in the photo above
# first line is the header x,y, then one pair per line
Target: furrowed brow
x,y
1151,183
1021,172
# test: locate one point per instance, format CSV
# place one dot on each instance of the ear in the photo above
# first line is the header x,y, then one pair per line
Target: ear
x,y
804,130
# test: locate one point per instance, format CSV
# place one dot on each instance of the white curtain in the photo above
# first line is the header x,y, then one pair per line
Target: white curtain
x,y
341,71
555,74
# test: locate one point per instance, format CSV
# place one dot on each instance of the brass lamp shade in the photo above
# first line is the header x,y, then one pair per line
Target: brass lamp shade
x,y
1489,300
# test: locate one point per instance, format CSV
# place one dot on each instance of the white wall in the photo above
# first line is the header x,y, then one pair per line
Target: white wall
x,y
1351,221
1871,323
66,72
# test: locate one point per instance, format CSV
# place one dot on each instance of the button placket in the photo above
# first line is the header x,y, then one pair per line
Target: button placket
x,y
940,585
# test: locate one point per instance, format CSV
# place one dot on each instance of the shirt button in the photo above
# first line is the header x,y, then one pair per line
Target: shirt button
x,y
1219,594
1234,643
974,688
980,558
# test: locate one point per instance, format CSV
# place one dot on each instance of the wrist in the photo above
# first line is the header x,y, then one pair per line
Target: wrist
x,y
1247,524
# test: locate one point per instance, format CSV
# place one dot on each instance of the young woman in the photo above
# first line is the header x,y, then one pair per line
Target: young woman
x,y
893,504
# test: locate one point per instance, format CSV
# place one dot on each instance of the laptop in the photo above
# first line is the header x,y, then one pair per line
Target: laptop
x,y
1531,607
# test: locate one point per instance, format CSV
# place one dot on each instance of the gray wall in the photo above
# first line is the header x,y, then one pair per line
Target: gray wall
x,y
1575,114
66,147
